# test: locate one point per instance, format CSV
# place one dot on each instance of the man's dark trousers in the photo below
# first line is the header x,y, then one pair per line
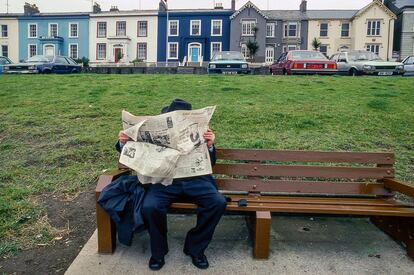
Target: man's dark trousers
x,y
199,190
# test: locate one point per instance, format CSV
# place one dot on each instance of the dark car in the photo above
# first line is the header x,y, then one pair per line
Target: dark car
x,y
44,64
3,62
303,62
228,62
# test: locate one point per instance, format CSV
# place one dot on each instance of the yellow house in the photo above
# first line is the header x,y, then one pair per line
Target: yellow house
x,y
370,28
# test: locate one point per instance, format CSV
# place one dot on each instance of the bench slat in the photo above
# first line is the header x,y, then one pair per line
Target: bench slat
x,y
268,170
305,156
304,187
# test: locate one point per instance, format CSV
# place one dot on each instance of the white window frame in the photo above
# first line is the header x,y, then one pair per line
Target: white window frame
x,y
117,23
1,30
70,52
49,32
372,31
97,51
290,47
250,24
28,30
28,50
97,29
245,51
211,48
272,26
70,29
169,27
199,27
212,27
269,59
139,28
369,47
146,50
168,50
286,29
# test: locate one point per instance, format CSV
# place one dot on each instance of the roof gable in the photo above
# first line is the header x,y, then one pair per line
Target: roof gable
x,y
248,5
370,5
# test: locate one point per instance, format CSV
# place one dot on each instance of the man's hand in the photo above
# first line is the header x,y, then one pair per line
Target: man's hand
x,y
209,137
123,138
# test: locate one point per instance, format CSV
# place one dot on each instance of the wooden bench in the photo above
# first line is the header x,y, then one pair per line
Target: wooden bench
x,y
339,183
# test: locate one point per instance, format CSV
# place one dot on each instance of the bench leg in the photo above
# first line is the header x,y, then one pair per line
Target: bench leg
x,y
106,231
263,222
401,229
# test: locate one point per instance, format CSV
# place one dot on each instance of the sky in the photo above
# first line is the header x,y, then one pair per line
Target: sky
x,y
16,6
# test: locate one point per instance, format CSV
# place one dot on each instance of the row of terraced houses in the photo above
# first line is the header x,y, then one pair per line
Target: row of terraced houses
x,y
182,36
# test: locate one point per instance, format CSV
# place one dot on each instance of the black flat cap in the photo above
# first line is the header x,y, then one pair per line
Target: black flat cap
x,y
176,104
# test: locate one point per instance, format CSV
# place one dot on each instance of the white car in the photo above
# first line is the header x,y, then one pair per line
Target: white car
x,y
409,65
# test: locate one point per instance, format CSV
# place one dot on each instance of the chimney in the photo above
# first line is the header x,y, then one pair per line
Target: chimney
x,y
303,5
233,5
30,9
218,6
114,8
162,6
96,8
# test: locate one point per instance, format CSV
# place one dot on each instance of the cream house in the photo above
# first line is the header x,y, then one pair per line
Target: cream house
x,y
370,28
9,36
122,36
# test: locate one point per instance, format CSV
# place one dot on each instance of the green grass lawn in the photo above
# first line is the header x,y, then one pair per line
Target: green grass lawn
x,y
57,132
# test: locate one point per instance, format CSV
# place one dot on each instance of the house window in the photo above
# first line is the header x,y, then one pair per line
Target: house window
x,y
195,27
173,50
374,27
32,31
173,27
101,29
73,51
5,50
345,30
142,28
216,27
290,48
32,50
270,30
53,30
215,48
4,31
142,51
323,30
373,48
100,51
121,28
73,30
324,49
248,27
291,29
245,51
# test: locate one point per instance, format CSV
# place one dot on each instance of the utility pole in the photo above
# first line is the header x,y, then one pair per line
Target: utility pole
x,y
167,52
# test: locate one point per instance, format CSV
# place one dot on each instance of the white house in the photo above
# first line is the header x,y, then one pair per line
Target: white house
x,y
9,36
123,36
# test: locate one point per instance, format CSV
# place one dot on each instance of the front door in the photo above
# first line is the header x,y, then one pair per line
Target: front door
x,y
118,54
49,50
194,54
270,53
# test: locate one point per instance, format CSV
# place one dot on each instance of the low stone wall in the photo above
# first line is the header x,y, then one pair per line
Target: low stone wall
x,y
160,70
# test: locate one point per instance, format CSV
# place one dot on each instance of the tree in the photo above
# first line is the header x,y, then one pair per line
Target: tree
x,y
253,47
316,43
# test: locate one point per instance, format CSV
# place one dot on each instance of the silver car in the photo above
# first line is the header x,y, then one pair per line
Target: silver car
x,y
409,65
364,62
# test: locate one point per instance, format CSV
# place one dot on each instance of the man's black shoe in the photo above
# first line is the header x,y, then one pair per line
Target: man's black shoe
x,y
155,264
200,261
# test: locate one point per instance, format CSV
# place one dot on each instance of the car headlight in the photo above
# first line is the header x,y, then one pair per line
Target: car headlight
x,y
400,67
6,68
32,67
368,67
244,66
212,66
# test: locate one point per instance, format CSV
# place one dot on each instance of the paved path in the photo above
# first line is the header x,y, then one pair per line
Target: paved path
x,y
299,245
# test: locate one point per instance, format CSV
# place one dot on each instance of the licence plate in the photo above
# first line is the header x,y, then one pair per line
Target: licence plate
x,y
229,72
385,73
314,66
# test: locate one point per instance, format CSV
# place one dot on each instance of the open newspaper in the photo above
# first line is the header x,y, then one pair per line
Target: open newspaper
x,y
167,146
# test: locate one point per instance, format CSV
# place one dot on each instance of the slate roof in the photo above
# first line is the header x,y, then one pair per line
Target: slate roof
x,y
403,3
284,14
331,14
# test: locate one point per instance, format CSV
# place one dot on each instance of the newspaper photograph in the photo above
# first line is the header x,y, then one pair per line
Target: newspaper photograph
x,y
167,146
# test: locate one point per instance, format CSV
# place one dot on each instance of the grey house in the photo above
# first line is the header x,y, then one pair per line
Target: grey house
x,y
275,31
404,26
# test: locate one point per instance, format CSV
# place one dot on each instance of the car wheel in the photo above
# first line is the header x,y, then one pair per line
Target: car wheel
x,y
285,72
74,71
46,71
353,72
271,72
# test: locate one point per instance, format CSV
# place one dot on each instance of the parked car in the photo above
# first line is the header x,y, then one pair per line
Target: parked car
x,y
44,64
303,62
409,65
364,62
228,62
3,62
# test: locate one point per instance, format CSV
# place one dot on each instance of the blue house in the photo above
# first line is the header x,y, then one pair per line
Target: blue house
x,y
192,35
53,34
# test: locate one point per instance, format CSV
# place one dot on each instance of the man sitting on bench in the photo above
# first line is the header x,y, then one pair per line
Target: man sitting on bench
x,y
201,190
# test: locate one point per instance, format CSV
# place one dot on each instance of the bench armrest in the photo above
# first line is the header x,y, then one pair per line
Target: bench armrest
x,y
108,177
401,187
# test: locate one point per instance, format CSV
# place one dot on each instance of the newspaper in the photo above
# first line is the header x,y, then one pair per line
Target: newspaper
x,y
167,146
